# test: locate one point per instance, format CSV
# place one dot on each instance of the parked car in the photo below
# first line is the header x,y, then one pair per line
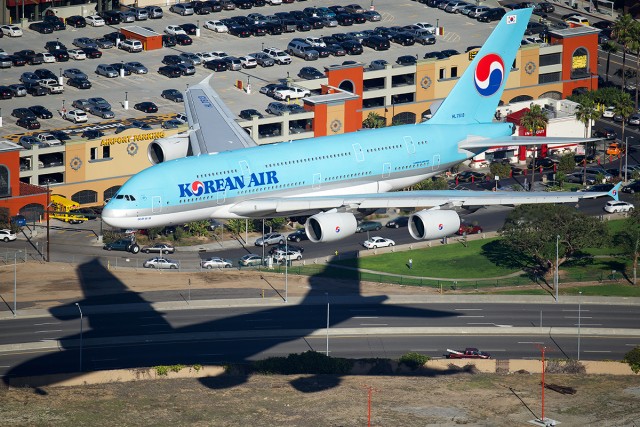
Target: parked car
x,y
377,242
161,263
401,221
250,113
94,21
298,235
368,226
270,239
249,260
146,107
126,245
136,67
469,229
161,248
8,235
173,95
215,262
614,206
41,112
106,70
76,116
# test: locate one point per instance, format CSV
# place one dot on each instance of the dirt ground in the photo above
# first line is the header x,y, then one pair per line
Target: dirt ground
x,y
463,398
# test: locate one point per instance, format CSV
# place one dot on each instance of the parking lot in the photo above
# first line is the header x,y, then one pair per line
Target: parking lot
x,y
460,32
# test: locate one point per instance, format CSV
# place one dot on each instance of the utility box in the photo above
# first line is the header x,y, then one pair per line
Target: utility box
x,y
150,39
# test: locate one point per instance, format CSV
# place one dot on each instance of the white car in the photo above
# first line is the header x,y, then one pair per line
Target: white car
x,y
248,62
7,235
609,112
219,54
274,2
94,21
174,30
162,263
426,26
216,26
215,262
618,206
76,116
205,56
281,256
77,54
11,30
47,58
315,42
48,140
378,242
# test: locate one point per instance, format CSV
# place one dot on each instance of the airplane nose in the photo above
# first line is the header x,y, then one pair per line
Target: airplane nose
x,y
112,217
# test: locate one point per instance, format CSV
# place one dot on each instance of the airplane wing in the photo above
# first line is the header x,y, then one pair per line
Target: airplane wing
x,y
208,115
474,142
263,207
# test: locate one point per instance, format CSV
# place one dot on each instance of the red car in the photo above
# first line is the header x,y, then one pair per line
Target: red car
x,y
468,353
469,229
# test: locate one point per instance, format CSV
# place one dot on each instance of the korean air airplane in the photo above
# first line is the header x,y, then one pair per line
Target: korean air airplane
x,y
217,171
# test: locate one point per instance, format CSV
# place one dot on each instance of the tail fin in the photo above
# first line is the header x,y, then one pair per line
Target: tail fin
x,y
614,192
476,95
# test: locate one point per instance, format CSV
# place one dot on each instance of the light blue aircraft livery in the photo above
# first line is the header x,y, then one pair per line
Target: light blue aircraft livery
x,y
216,170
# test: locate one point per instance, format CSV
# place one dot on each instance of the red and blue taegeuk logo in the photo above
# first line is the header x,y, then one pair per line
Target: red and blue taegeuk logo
x,y
337,228
440,226
489,74
197,188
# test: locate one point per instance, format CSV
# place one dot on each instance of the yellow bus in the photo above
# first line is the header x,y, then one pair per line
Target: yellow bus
x,y
61,208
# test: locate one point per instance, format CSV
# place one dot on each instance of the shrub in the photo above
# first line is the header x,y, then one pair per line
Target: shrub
x,y
162,370
555,366
414,360
309,362
633,359
503,170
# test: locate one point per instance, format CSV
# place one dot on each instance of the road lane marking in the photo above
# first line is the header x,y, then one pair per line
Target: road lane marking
x,y
632,345
469,316
596,351
491,324
588,324
467,309
366,317
425,349
576,310
362,310
46,332
374,324
530,342
576,317
46,323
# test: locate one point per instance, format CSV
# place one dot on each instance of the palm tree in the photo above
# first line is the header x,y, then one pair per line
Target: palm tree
x,y
533,120
374,121
609,47
586,112
634,46
623,29
623,106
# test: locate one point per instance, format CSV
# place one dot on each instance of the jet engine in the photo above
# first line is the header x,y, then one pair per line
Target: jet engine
x,y
433,224
169,148
330,226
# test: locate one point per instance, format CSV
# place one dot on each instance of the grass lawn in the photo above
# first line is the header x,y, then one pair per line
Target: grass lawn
x,y
613,290
453,261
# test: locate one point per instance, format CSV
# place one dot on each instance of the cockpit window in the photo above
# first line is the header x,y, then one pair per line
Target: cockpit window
x,y
126,197
119,196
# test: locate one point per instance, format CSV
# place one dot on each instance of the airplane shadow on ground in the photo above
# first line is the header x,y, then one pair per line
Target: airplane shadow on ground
x,y
154,351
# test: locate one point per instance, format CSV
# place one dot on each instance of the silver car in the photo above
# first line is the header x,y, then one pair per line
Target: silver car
x,y
215,262
263,59
101,111
18,90
136,67
191,57
107,71
161,263
270,239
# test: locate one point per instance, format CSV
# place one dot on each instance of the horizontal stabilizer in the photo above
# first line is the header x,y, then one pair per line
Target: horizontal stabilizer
x,y
474,142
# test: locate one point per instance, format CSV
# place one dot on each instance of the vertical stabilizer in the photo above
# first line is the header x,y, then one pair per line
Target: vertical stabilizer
x,y
476,95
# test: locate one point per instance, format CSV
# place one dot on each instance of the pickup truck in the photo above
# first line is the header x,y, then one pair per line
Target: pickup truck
x,y
127,245
291,93
467,353
52,86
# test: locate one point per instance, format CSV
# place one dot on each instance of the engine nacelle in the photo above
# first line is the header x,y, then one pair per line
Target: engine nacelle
x,y
330,226
433,224
169,148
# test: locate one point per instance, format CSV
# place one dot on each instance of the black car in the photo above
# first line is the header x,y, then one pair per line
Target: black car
x,y
250,113
298,235
606,133
310,73
168,40
273,28
406,60
545,163
41,112
190,29
449,52
316,23
18,61
146,107
535,28
404,39
110,17
77,21
243,4
61,55
28,123
239,31
120,68
352,47
54,45
172,60
344,19
92,53
603,25
631,188
30,56
173,95
303,26
41,27
35,89
5,92
55,22
201,7
114,37
79,83
214,5
216,65
92,134
376,43
61,135
170,71
183,39
336,50
494,14
43,73
401,221
358,18
257,30
23,113
546,7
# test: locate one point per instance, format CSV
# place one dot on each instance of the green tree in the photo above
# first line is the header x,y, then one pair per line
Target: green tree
x,y
629,238
634,46
609,48
534,120
586,113
154,232
198,228
503,170
439,183
374,121
633,359
274,224
623,106
238,226
530,232
623,28
567,164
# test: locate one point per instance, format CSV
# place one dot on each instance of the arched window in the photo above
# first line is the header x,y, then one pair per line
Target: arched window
x,y
552,95
5,189
521,98
406,118
580,63
110,192
85,196
347,85
32,212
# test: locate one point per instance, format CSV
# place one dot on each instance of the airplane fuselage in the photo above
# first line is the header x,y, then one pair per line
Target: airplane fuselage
x,y
369,161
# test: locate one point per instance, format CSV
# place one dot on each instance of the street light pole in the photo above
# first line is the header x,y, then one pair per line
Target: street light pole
x,y
579,318
555,275
626,150
286,270
80,310
327,295
15,285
